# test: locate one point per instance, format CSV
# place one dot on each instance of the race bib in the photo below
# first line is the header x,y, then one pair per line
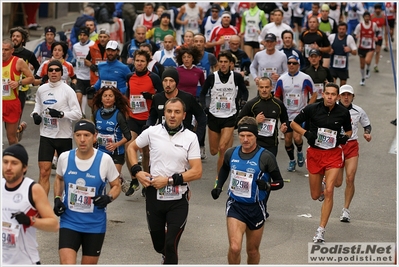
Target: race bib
x,y
226,45
50,123
138,104
192,24
79,198
267,127
308,47
292,100
6,87
267,72
326,138
223,104
339,62
251,30
104,139
80,62
319,87
366,43
105,83
10,233
240,183
171,192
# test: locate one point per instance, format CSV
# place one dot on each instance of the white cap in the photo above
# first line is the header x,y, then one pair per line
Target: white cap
x,y
112,45
346,88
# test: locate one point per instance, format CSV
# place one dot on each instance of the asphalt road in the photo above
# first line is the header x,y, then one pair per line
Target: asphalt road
x,y
286,235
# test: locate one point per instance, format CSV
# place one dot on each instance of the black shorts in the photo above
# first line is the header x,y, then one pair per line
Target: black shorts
x,y
379,42
91,243
118,159
342,74
363,52
217,124
135,125
297,20
391,23
253,215
252,44
47,146
81,86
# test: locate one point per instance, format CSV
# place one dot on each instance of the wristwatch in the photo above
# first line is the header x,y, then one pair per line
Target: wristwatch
x,y
111,197
62,114
20,82
32,220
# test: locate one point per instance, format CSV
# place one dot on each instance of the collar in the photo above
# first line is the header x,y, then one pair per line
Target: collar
x,y
293,75
188,68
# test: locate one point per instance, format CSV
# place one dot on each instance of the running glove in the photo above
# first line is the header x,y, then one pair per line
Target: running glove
x,y
216,193
311,137
90,92
263,185
342,139
21,217
147,95
37,118
55,113
59,207
93,67
101,201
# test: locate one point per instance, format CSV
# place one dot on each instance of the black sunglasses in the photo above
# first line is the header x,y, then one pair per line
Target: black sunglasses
x,y
292,63
56,70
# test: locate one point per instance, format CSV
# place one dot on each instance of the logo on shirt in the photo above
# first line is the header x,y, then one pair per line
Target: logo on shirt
x,y
17,198
252,163
88,175
72,173
110,123
250,170
49,101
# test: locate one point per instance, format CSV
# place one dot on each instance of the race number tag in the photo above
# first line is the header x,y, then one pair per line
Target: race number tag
x,y
50,123
240,183
79,198
223,104
326,138
366,43
104,139
251,30
339,62
10,232
6,87
292,100
319,87
267,72
138,104
105,83
171,192
267,127
307,49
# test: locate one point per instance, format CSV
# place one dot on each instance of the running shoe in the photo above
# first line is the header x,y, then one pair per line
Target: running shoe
x,y
300,159
323,186
291,166
21,129
362,82
54,163
345,216
132,188
140,159
367,74
386,49
203,153
376,69
319,235
143,191
125,185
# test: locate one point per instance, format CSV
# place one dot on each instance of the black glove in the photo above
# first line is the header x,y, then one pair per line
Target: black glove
x,y
242,103
263,185
342,139
101,201
354,8
90,92
55,113
216,192
44,79
147,95
93,67
145,127
21,217
59,207
73,86
37,118
311,137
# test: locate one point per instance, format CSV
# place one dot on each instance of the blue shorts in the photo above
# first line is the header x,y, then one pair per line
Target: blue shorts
x,y
253,215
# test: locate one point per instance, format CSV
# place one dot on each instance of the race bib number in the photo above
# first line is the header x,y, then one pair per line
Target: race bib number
x,y
79,198
105,83
50,123
6,87
98,61
326,138
80,62
267,72
10,233
223,104
138,104
192,24
226,45
319,87
240,183
339,62
292,100
251,30
267,127
104,139
366,42
171,192
307,49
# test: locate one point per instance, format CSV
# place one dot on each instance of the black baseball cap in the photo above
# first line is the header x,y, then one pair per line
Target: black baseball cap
x,y
270,37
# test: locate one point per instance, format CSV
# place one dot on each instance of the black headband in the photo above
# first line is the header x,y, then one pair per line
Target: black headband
x,y
84,125
248,128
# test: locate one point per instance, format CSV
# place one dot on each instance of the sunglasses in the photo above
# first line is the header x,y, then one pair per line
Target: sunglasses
x,y
292,63
56,70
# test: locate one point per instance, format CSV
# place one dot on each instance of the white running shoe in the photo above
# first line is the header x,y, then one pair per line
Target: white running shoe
x,y
345,216
203,152
323,187
319,235
362,82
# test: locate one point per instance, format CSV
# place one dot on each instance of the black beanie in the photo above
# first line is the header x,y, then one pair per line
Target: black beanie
x,y
55,62
17,151
171,72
